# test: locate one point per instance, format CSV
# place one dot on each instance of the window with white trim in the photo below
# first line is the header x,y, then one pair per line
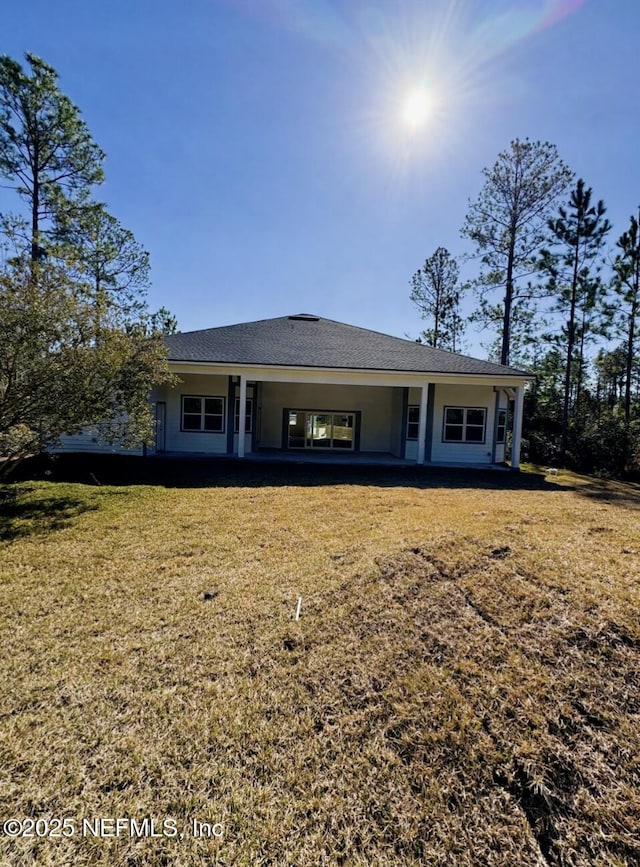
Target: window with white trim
x,y
501,428
203,413
464,424
413,422
248,416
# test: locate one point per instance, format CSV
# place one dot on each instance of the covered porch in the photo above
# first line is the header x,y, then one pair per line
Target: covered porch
x,y
340,417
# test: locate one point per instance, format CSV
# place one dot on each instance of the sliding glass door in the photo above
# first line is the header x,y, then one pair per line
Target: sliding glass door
x,y
321,430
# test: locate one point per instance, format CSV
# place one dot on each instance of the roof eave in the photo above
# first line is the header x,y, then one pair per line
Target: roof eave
x,y
510,373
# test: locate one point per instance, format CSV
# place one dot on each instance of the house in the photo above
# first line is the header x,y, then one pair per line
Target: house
x,y
307,385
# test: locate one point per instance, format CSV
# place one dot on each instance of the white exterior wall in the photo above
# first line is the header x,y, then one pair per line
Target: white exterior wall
x,y
501,448
467,396
378,425
411,450
411,446
89,440
194,442
379,406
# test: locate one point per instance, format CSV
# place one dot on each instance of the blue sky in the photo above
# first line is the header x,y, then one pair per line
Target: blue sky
x,y
256,147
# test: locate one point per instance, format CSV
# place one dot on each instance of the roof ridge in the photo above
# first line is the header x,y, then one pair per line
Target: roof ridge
x,y
230,325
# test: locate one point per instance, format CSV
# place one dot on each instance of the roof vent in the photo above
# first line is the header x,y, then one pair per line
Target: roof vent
x,y
305,317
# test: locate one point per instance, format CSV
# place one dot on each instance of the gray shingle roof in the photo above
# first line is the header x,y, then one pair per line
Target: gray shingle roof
x,y
305,340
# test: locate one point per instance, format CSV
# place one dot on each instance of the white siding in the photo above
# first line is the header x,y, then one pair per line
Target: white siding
x,y
411,450
466,396
411,446
194,442
89,440
501,448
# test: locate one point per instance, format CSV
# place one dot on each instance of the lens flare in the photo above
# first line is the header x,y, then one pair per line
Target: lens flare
x,y
422,76
346,23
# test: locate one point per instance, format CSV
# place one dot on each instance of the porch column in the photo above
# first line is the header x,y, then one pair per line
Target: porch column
x,y
422,425
516,437
243,414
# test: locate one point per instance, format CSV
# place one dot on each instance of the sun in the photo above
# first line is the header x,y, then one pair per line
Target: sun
x,y
417,108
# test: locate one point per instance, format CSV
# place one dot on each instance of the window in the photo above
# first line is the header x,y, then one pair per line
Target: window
x,y
203,414
464,424
501,429
247,420
413,422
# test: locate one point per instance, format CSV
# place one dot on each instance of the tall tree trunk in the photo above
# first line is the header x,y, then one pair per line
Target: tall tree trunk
x,y
635,299
629,359
571,339
35,217
508,301
580,375
436,322
36,168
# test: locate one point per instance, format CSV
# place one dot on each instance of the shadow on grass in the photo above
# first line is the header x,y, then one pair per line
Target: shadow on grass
x,y
22,516
612,493
226,473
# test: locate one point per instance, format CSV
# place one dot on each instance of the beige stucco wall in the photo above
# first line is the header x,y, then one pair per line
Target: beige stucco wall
x,y
377,405
397,432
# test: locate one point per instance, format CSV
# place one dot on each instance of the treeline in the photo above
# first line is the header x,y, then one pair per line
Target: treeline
x,y
559,292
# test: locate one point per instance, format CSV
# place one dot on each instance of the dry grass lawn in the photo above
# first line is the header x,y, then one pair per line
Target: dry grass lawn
x,y
462,688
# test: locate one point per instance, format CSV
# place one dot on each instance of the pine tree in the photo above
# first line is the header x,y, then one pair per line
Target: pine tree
x,y
572,266
626,284
47,154
436,294
107,257
610,369
507,225
78,345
